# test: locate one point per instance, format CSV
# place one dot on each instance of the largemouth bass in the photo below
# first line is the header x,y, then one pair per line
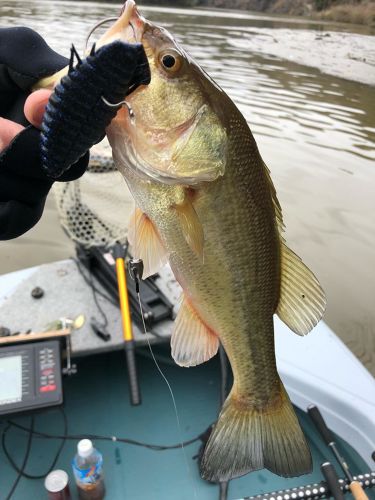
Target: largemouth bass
x,y
207,205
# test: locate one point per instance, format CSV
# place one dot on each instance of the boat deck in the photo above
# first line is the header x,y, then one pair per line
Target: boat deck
x,y
97,402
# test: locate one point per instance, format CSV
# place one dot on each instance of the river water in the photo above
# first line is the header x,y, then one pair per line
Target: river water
x,y
307,91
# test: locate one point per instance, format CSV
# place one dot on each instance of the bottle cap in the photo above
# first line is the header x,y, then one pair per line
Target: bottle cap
x,y
85,448
56,481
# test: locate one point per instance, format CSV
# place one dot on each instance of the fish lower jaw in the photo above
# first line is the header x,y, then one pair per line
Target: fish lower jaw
x,y
133,164
143,169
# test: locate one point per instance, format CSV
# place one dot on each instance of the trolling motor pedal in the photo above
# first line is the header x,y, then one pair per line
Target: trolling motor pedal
x,y
100,262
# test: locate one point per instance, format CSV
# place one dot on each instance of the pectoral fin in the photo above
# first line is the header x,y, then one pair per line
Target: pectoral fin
x,y
146,243
191,226
192,341
302,299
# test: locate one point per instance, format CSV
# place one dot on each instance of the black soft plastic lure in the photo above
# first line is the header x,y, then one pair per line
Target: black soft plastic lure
x,y
79,109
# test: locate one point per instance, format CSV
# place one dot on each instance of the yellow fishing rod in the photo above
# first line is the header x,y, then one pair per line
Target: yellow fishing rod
x,y
127,329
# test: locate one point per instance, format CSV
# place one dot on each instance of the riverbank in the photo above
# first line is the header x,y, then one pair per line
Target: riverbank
x,y
348,11
346,52
355,14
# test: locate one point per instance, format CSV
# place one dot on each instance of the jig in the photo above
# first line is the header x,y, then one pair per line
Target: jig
x,y
79,109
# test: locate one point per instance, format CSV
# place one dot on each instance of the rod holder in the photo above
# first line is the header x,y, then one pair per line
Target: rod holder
x,y
315,491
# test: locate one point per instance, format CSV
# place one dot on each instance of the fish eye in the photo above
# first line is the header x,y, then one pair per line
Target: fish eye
x,y
170,60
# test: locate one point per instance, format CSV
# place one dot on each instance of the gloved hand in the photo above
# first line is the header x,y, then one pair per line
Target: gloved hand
x,y
25,58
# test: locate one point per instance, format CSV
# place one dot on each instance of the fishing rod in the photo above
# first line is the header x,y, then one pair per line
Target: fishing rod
x,y
119,256
332,480
355,487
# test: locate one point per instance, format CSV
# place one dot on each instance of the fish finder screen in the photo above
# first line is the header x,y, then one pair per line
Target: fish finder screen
x,y
10,379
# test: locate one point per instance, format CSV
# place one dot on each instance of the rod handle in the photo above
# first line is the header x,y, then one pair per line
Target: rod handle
x,y
135,395
320,424
332,480
127,329
357,491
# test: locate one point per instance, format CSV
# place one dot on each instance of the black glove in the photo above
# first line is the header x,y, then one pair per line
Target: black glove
x,y
25,58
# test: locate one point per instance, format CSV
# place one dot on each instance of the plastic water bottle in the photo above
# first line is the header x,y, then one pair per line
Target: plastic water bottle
x,y
88,471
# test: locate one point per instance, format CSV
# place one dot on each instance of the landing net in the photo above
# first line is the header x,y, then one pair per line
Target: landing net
x,y
95,209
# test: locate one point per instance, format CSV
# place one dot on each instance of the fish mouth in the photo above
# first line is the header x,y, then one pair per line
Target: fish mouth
x,y
129,27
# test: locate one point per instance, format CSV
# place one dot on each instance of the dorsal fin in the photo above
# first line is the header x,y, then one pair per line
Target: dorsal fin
x,y
146,243
302,300
275,202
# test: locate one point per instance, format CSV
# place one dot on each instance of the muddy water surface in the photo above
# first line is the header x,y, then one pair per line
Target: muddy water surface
x,y
305,89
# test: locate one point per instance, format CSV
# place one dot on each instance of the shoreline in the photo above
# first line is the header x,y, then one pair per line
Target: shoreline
x,y
342,11
336,11
333,48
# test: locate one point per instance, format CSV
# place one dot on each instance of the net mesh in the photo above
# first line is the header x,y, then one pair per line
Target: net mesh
x,y
95,209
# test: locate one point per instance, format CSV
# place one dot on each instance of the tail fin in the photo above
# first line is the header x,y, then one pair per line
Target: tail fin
x,y
245,440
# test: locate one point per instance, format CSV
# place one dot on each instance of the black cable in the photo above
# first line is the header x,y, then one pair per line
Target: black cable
x,y
99,329
96,437
25,459
33,432
144,352
98,306
91,285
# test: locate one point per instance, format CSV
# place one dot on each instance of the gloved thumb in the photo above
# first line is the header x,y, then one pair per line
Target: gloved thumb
x,y
8,131
35,106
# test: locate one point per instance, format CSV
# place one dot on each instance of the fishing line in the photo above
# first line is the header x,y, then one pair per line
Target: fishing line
x,y
97,25
133,123
171,393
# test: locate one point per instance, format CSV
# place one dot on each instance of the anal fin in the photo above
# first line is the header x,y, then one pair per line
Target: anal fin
x,y
146,243
192,341
302,300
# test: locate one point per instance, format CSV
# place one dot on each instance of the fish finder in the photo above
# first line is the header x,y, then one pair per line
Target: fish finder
x,y
30,377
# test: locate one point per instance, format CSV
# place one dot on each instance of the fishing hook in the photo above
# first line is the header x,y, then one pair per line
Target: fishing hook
x,y
118,105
